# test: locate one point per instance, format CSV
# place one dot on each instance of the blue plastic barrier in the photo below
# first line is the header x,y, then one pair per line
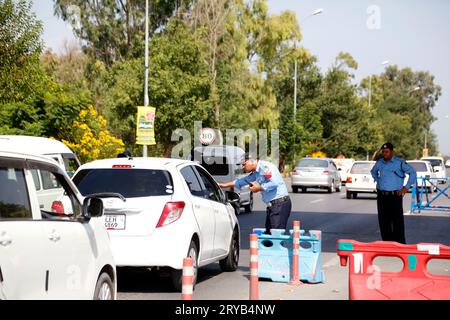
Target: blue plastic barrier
x,y
422,200
275,255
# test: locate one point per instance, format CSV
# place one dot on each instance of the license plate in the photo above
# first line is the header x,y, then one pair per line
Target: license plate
x,y
115,222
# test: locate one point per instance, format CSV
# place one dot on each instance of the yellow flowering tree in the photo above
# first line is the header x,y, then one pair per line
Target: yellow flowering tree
x,y
318,154
90,139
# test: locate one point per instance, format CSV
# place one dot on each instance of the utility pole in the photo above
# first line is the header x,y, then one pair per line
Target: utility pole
x,y
144,151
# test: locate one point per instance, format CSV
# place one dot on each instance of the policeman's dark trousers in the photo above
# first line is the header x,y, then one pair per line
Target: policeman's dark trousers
x,y
278,215
390,217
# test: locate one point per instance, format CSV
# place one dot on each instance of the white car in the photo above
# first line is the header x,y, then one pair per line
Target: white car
x,y
344,165
438,167
46,253
423,169
360,180
173,209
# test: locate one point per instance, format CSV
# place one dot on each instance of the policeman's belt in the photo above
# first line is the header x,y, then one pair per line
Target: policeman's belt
x,y
278,201
387,193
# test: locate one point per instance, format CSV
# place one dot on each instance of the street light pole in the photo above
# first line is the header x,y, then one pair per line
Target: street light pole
x,y
316,12
146,100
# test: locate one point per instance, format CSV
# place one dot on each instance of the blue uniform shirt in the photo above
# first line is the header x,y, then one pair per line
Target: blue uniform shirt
x,y
269,178
390,175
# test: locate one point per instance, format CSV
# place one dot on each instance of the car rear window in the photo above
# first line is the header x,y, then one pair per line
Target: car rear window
x,y
312,163
434,162
362,168
418,166
216,166
131,183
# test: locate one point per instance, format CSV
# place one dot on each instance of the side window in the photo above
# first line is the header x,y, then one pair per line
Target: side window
x,y
14,199
49,181
58,202
211,190
192,181
37,182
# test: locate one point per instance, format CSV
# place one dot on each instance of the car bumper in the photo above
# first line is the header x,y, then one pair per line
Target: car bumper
x,y
310,181
160,249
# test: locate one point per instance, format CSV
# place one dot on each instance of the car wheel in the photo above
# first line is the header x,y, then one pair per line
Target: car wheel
x,y
230,263
104,289
304,190
295,189
177,275
331,188
349,195
354,195
339,187
249,207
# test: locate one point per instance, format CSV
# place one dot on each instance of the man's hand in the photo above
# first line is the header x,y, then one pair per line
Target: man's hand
x,y
403,192
255,187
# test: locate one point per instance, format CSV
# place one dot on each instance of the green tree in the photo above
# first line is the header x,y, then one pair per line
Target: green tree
x,y
20,47
178,88
404,100
113,30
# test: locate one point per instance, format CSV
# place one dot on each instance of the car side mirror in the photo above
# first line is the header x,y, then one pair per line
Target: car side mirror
x,y
232,197
92,208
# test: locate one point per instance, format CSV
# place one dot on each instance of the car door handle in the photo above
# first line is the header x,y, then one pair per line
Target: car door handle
x,y
216,211
197,206
5,240
54,236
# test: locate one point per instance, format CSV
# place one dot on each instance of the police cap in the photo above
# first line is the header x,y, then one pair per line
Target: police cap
x,y
387,145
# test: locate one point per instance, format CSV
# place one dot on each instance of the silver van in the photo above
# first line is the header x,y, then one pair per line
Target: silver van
x,y
224,163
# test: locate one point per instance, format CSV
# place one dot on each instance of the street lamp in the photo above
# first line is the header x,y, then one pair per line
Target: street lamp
x,y
144,147
384,63
315,13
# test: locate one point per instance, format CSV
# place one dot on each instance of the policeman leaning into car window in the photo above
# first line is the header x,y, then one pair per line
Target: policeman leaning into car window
x,y
264,177
389,173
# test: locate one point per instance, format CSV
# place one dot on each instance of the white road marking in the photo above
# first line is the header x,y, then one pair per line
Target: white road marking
x,y
316,201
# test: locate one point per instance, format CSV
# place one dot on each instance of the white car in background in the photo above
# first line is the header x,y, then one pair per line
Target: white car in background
x,y
423,170
173,209
360,180
438,166
45,254
344,165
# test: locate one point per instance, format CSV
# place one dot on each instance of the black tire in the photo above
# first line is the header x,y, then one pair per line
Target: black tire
x,y
104,289
177,275
304,190
331,188
230,263
349,195
295,189
249,207
354,195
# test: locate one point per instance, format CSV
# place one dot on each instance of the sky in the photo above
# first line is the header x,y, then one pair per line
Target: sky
x,y
407,33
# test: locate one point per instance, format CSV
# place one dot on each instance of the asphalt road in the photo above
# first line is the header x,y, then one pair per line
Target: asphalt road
x,y
333,214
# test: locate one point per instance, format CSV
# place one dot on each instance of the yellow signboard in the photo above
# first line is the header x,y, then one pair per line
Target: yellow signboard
x,y
145,131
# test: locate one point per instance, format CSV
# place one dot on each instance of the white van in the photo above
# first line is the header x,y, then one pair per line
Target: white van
x,y
46,187
438,165
224,163
42,146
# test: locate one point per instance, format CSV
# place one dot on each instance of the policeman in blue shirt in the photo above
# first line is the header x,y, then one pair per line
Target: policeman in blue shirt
x,y
264,177
389,174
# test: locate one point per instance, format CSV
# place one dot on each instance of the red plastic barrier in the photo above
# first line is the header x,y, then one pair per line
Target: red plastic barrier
x,y
413,282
